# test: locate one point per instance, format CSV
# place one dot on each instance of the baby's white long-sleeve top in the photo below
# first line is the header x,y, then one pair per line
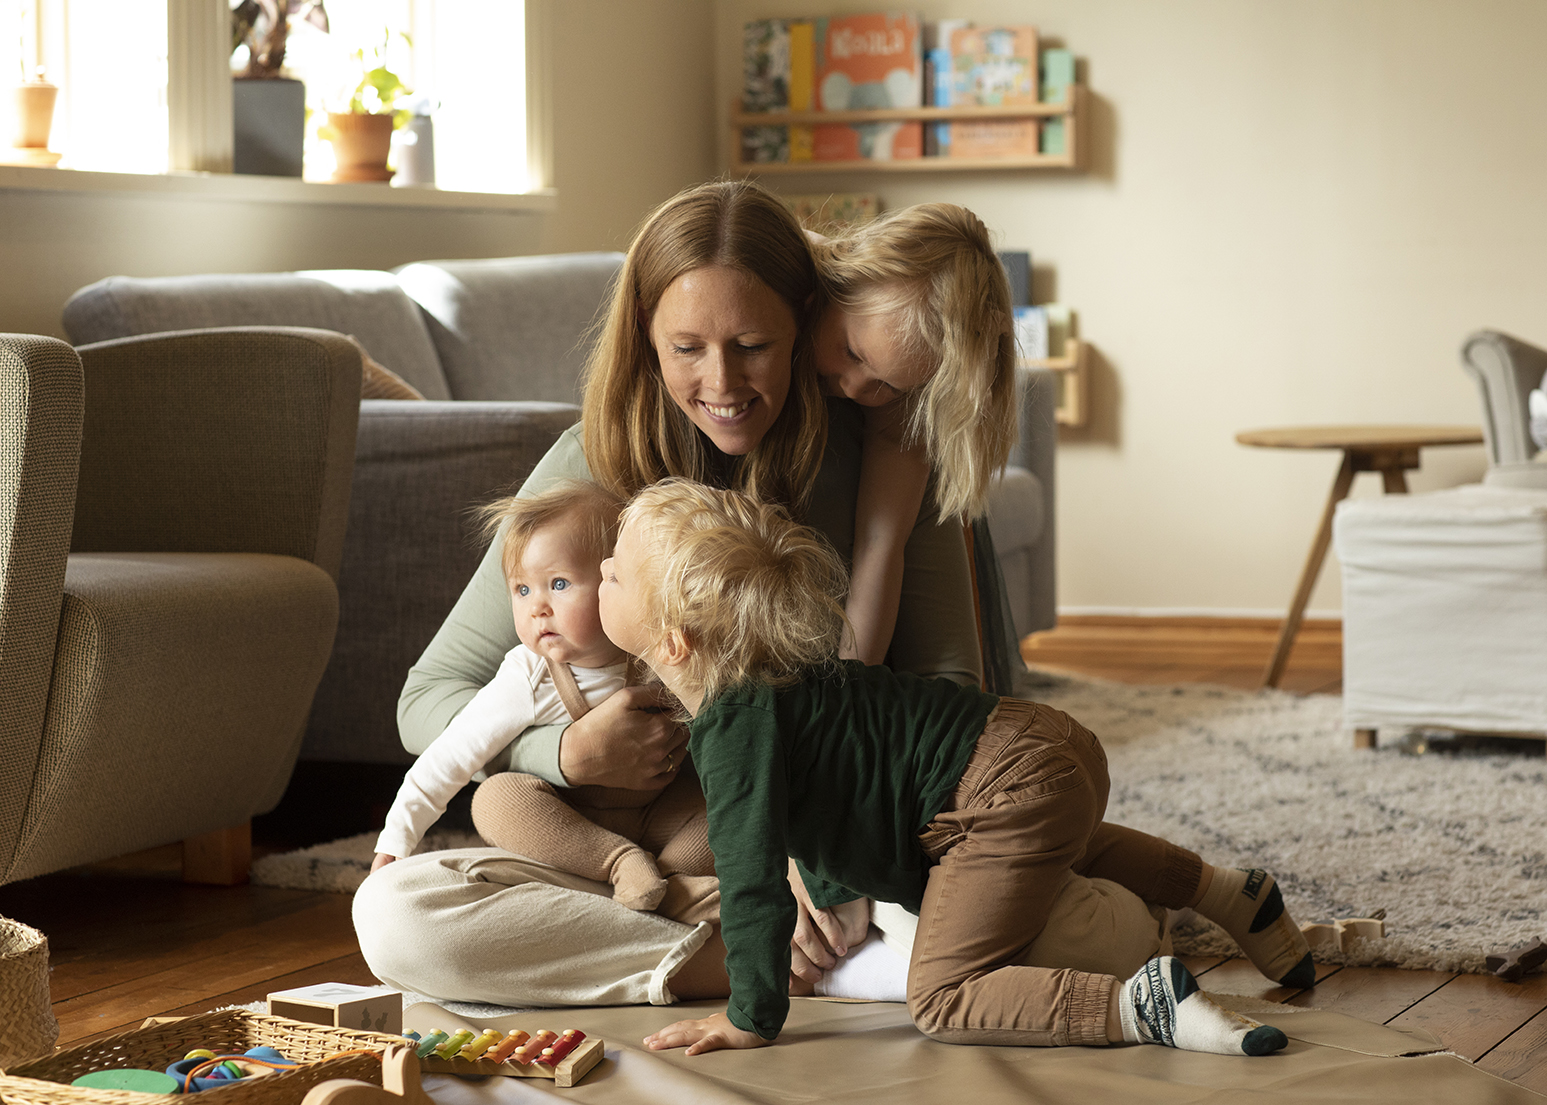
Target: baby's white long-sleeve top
x,y
520,695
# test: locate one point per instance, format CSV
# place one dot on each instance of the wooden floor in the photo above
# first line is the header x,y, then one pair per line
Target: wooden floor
x,y
128,940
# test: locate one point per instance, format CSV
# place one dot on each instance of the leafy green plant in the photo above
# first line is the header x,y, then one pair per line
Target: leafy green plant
x,y
380,88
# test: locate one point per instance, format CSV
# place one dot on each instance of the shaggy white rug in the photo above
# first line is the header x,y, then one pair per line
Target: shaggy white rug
x,y
1453,847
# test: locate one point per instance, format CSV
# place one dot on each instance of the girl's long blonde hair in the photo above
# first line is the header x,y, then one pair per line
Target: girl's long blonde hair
x,y
935,265
756,595
634,432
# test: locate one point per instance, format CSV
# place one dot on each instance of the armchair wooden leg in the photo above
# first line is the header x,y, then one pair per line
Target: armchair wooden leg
x,y
220,858
1365,738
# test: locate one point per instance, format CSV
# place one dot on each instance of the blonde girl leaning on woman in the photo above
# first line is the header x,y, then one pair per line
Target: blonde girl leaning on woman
x,y
918,331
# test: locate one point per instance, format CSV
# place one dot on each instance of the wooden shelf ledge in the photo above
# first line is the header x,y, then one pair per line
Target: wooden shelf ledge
x,y
1073,381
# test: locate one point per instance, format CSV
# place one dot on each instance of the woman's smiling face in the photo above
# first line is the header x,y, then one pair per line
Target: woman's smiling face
x,y
725,340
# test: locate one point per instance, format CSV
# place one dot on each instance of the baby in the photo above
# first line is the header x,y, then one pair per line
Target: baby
x,y
650,845
918,330
969,809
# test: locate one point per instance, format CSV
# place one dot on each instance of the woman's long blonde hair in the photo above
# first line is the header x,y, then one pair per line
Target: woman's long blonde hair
x,y
756,595
634,432
934,263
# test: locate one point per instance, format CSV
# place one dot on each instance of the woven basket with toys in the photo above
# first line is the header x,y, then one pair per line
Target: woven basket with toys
x,y
311,1054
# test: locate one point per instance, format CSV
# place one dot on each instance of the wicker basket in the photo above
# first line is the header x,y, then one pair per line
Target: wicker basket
x,y
230,1031
27,1025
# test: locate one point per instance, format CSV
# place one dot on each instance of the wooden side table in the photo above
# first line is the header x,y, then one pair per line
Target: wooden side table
x,y
1389,450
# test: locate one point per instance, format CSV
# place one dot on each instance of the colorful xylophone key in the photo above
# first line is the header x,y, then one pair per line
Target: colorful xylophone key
x,y
508,1045
561,1047
481,1044
533,1047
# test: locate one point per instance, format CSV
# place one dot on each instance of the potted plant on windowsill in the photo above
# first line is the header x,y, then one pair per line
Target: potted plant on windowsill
x,y
268,108
362,135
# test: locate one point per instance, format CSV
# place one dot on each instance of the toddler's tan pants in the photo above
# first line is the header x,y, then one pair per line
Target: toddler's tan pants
x,y
1025,817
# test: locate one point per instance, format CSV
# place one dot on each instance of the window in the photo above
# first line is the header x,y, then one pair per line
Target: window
x,y
145,87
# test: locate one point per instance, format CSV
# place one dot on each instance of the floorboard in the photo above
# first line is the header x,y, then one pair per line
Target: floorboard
x,y
1522,1056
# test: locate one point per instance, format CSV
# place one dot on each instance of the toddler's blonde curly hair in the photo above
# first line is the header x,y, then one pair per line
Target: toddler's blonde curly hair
x,y
756,596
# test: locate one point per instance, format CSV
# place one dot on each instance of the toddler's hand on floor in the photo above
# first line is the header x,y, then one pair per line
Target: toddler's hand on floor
x,y
381,860
710,1034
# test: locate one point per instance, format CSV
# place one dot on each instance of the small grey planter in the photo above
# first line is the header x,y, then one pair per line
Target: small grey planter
x,y
269,123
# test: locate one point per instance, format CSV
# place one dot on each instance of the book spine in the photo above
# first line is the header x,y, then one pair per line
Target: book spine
x,y
802,85
938,80
1057,75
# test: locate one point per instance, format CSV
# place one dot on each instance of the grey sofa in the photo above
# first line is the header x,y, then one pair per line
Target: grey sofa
x,y
497,347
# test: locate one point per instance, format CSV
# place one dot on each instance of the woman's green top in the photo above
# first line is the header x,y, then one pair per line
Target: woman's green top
x,y
936,627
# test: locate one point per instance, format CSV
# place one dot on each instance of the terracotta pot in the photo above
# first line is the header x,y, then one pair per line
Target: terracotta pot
x,y
360,146
34,114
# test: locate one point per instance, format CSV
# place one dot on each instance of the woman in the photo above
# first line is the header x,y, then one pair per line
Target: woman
x,y
702,369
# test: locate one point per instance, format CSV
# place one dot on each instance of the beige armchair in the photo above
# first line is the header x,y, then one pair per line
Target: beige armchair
x,y
172,515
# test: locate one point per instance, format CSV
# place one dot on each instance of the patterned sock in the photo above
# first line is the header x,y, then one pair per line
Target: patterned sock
x,y
1163,1005
1248,906
636,881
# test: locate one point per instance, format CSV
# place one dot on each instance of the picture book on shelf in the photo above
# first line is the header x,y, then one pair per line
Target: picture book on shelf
x,y
833,213
864,62
993,67
765,86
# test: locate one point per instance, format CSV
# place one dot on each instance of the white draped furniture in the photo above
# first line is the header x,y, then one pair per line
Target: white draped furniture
x,y
1445,594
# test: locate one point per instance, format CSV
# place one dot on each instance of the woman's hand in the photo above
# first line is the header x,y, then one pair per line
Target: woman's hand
x,y
710,1034
629,741
381,860
822,936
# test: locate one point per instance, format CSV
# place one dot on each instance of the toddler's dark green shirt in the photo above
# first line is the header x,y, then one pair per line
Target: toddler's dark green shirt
x,y
841,772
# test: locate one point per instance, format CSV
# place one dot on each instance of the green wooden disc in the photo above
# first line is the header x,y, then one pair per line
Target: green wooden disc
x,y
128,1078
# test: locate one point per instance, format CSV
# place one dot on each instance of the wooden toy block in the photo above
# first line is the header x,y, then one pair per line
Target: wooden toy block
x,y
399,1085
570,1069
1343,932
367,1008
1514,964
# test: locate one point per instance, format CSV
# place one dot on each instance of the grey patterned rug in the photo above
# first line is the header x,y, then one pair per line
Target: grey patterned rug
x,y
1453,846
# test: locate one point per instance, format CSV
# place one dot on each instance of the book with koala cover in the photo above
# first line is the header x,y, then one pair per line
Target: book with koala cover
x,y
865,62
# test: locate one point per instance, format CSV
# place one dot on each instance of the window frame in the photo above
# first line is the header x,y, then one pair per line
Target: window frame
x,y
200,132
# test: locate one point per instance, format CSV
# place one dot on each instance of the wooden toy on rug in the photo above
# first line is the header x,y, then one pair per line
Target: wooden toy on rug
x,y
1342,933
566,1058
1514,964
366,1008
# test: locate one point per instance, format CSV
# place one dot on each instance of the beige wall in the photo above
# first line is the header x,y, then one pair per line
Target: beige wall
x,y
632,126
1298,211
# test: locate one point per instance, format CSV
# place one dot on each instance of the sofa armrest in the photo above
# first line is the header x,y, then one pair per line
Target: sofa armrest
x,y
234,440
1506,370
40,410
420,469
1036,451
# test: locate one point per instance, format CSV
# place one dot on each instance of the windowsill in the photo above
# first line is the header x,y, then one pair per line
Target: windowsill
x,y
267,189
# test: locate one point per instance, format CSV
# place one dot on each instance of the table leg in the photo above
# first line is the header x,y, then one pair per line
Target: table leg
x,y
1312,569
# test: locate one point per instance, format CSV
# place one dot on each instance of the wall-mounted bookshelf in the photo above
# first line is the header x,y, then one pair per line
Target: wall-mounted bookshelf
x,y
1073,381
1072,110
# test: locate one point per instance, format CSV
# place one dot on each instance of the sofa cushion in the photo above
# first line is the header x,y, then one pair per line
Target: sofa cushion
x,y
362,302
512,328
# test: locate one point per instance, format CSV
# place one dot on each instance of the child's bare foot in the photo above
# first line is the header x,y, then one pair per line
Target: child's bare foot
x,y
636,881
691,899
